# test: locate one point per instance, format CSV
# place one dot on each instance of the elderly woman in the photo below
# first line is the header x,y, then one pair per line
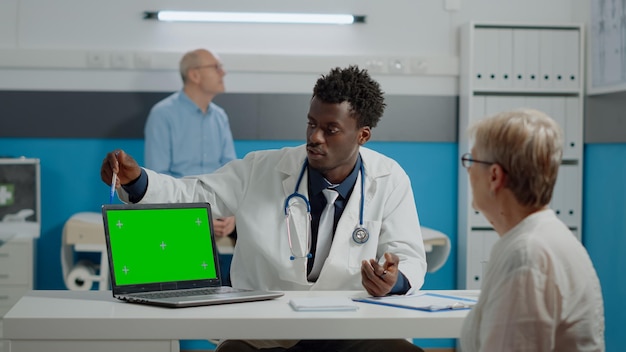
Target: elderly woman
x,y
540,290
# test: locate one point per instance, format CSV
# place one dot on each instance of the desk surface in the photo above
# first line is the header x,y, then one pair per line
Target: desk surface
x,y
96,315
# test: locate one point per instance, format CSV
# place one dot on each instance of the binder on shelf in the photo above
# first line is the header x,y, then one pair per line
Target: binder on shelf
x,y
477,219
478,109
571,65
519,70
475,260
479,251
492,105
559,59
557,112
486,59
497,104
532,58
558,194
572,129
491,58
566,199
504,77
572,199
546,65
480,60
543,104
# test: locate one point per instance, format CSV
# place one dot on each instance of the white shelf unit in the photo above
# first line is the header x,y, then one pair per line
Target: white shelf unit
x,y
509,66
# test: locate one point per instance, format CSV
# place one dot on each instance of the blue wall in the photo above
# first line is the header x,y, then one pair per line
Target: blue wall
x,y
604,230
70,183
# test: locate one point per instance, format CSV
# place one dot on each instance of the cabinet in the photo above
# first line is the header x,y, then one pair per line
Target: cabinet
x,y
510,66
20,225
16,272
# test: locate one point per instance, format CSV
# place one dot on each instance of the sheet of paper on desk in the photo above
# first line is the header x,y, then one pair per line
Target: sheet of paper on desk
x,y
431,302
309,304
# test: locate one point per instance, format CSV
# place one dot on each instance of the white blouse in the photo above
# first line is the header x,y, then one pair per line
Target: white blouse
x,y
540,293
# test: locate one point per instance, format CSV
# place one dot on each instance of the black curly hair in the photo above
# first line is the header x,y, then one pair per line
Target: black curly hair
x,y
357,88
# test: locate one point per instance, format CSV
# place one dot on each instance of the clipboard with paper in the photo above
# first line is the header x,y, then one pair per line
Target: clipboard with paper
x,y
424,301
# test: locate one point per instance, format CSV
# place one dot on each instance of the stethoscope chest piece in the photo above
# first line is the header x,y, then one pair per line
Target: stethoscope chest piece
x,y
360,235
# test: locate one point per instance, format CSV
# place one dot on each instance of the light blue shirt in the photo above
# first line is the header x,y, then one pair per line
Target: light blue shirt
x,y
180,140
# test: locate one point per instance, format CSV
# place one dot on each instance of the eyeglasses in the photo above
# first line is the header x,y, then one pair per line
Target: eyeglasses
x,y
217,67
467,161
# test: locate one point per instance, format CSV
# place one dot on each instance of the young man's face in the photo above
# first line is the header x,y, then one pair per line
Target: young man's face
x,y
333,139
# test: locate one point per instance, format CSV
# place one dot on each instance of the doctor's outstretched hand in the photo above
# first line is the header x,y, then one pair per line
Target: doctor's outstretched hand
x,y
123,165
378,279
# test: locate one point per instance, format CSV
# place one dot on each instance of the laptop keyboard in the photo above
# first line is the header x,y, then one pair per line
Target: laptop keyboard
x,y
199,292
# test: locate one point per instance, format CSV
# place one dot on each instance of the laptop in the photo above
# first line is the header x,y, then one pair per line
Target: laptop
x,y
165,255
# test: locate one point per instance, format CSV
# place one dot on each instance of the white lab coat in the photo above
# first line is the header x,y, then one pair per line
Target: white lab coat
x,y
254,190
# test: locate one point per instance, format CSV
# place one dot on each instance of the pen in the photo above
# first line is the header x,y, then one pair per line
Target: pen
x,y
112,194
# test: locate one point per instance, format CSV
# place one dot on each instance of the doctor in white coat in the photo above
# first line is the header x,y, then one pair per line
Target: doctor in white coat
x,y
377,244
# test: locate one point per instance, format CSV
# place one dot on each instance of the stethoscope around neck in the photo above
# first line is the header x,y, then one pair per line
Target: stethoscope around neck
x,y
360,234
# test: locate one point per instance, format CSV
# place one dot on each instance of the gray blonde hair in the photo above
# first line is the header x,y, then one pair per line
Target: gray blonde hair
x,y
528,145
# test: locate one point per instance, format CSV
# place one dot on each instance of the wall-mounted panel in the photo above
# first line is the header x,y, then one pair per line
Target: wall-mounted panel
x,y
605,120
62,114
74,114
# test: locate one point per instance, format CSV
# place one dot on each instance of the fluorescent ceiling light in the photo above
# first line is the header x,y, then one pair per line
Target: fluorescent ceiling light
x,y
253,17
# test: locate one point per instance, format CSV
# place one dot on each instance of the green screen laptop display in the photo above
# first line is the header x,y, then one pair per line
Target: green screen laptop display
x,y
160,245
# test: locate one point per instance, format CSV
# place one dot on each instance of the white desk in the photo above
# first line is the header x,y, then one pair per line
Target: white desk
x,y
94,321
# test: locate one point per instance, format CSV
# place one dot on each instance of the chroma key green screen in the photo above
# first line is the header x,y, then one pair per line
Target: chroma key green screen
x,y
160,245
